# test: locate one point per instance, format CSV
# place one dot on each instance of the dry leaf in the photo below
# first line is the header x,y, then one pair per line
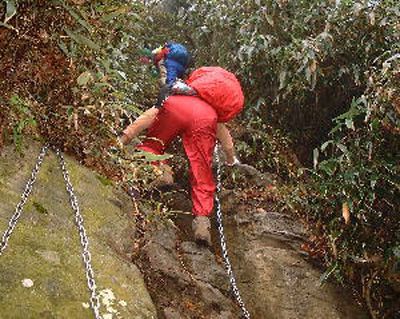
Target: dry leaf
x,y
346,213
78,2
75,118
372,18
313,66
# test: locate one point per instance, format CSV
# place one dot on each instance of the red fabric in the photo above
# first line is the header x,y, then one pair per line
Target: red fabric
x,y
161,54
219,88
196,122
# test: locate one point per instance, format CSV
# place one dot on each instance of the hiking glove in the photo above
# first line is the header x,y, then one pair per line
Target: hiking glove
x,y
235,162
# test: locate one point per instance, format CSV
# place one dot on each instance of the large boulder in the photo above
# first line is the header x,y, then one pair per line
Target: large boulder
x,y
41,272
276,280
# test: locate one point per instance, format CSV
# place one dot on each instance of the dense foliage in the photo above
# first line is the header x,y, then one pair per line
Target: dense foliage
x,y
353,195
301,61
71,74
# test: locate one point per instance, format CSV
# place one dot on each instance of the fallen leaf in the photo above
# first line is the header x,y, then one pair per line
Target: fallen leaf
x,y
346,213
84,78
78,2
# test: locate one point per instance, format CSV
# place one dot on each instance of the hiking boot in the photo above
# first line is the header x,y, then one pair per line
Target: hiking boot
x,y
201,227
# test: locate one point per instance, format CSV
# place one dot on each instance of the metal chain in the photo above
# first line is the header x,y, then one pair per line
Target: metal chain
x,y
87,259
220,226
24,197
94,299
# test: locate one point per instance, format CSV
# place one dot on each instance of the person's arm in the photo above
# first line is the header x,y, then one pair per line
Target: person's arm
x,y
226,140
141,123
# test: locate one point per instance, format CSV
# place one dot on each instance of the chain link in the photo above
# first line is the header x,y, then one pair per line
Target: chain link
x,y
220,226
94,299
24,197
87,259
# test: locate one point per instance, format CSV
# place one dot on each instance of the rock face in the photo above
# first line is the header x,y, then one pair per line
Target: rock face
x,y
187,281
41,272
276,281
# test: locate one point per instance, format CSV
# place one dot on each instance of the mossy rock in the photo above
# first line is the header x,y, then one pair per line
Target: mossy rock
x,y
41,271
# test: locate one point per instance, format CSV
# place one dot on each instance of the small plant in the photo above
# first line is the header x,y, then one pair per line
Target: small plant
x,y
22,120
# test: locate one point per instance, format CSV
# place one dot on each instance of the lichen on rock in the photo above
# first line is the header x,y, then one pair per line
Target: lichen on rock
x,y
45,247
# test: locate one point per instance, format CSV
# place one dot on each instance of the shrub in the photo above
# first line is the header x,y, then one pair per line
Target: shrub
x,y
353,193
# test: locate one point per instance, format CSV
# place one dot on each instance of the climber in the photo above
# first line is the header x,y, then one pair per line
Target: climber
x,y
199,121
172,60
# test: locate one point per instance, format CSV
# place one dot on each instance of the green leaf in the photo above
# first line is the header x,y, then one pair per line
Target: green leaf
x,y
133,108
336,128
70,111
63,48
80,39
352,112
122,74
350,124
325,276
81,21
8,26
114,14
15,100
375,124
325,145
270,19
11,10
342,147
150,157
328,167
32,122
282,78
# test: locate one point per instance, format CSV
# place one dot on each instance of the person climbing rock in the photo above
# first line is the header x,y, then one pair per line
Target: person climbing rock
x,y
199,120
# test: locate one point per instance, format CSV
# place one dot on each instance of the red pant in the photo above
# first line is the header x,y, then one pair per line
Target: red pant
x,y
196,122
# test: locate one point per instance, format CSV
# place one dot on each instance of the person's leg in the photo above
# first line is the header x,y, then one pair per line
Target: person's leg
x,y
174,117
199,142
199,146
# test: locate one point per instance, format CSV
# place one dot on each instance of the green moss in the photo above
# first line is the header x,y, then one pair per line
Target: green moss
x,y
45,245
39,208
104,180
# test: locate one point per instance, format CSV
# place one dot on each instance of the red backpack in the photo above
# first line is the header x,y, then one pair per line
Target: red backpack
x,y
219,88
